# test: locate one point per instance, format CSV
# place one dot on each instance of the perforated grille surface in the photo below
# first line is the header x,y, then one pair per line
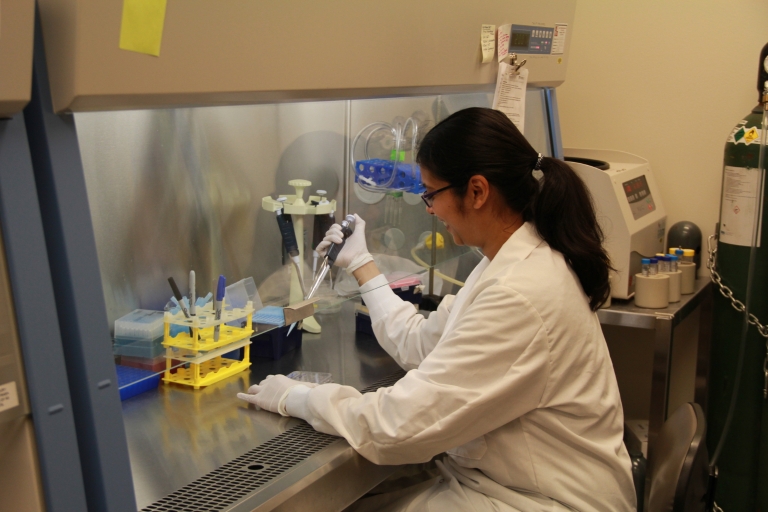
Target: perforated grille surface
x,y
227,485
385,382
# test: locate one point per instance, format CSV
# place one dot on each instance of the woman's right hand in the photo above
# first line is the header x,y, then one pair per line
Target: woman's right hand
x,y
355,253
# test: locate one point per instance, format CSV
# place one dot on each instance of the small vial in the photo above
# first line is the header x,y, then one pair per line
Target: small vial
x,y
688,255
672,263
646,266
664,264
679,253
654,267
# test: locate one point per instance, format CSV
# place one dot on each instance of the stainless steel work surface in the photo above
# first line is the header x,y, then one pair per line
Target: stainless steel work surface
x,y
177,435
625,313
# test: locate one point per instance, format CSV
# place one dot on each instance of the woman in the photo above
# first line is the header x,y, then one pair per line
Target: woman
x,y
511,377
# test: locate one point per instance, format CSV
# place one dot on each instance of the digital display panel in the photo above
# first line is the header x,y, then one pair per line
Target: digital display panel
x,y
519,39
639,196
530,39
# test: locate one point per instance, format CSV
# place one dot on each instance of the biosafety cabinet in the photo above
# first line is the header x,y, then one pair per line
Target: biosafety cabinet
x,y
142,165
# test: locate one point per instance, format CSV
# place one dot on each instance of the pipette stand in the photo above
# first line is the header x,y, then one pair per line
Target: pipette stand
x,y
297,208
202,353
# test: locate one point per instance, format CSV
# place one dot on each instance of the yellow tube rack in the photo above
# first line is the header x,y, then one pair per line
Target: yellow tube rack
x,y
204,355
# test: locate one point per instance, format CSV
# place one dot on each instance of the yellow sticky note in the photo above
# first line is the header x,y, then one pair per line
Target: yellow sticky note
x,y
142,27
488,42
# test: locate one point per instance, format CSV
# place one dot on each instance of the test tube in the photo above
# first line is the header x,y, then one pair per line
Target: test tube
x,y
664,264
672,263
646,266
654,267
688,255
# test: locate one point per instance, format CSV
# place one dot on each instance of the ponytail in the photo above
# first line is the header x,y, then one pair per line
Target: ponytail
x,y
565,218
480,141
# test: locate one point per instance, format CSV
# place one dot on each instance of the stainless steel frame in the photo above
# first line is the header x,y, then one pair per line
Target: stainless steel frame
x,y
553,119
79,303
37,323
663,324
315,485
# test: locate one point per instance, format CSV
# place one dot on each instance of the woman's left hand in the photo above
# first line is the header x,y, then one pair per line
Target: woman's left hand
x,y
270,394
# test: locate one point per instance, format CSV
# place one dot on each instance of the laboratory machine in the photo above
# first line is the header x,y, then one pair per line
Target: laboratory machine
x,y
142,183
629,209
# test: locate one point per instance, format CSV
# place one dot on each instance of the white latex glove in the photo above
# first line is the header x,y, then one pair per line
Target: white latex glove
x,y
354,254
270,394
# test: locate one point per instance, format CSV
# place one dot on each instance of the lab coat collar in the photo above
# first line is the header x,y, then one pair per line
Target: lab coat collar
x,y
517,248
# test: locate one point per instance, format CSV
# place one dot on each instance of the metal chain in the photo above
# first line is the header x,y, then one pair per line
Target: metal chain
x,y
727,293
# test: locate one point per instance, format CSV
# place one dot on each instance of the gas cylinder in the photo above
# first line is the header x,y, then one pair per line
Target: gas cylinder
x,y
742,460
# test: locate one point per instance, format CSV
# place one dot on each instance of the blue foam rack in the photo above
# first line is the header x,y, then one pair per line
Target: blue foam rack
x,y
134,381
378,172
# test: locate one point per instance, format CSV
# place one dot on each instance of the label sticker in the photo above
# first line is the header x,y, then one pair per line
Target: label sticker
x,y
746,136
751,135
9,398
737,217
503,41
558,38
488,42
509,97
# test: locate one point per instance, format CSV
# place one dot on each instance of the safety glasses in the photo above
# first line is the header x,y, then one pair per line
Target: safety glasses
x,y
428,197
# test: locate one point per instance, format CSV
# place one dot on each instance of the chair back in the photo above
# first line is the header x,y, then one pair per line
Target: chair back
x,y
680,467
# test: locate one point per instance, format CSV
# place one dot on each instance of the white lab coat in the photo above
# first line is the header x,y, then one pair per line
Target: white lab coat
x,y
511,377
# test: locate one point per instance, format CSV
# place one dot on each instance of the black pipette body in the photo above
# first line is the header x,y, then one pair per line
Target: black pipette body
x,y
285,224
347,228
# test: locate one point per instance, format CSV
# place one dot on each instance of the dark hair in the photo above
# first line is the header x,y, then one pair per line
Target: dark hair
x,y
481,141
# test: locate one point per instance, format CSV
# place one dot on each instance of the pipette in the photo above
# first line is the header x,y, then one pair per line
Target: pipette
x,y
289,242
322,224
347,228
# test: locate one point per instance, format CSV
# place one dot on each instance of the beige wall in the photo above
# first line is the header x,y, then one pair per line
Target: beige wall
x,y
666,80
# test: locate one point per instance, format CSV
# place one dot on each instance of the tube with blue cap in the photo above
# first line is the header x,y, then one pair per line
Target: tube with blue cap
x,y
219,300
